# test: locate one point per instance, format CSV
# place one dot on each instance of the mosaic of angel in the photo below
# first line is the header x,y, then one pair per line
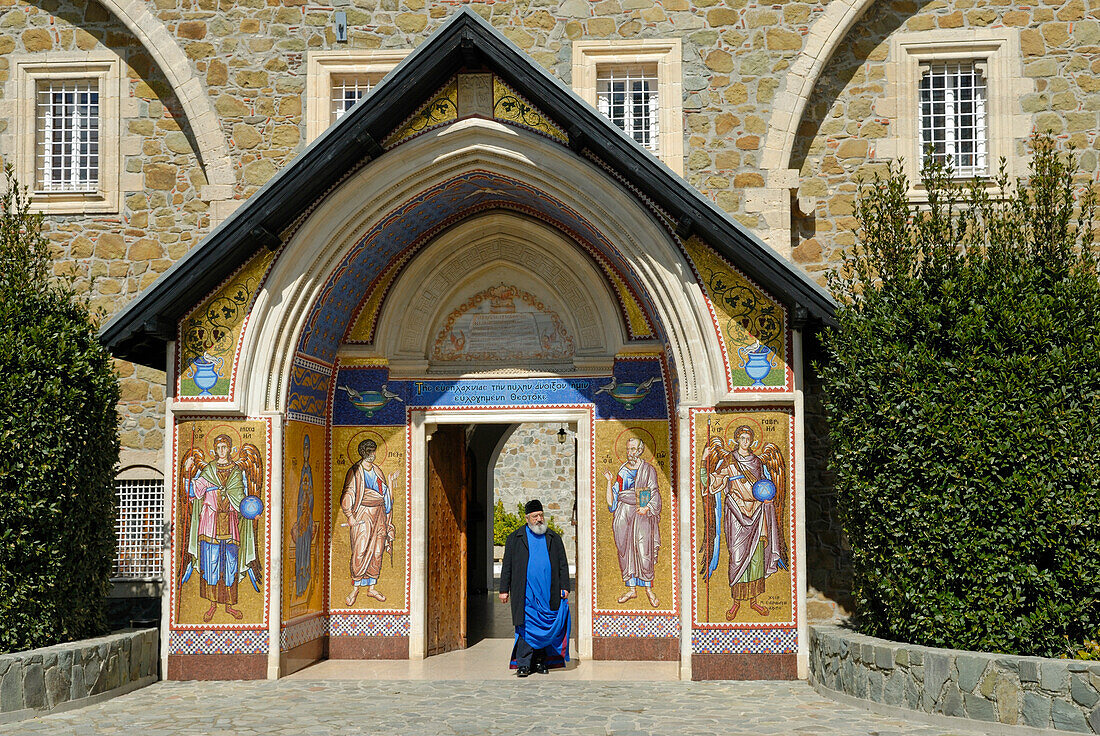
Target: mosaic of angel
x,y
745,496
220,500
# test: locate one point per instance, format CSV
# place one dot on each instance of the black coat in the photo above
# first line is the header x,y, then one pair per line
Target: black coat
x,y
513,571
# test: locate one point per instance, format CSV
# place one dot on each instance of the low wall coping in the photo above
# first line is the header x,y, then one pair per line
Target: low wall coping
x,y
1025,695
37,682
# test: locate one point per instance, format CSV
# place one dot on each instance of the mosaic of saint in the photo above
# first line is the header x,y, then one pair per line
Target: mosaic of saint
x,y
220,509
368,506
633,516
744,516
303,518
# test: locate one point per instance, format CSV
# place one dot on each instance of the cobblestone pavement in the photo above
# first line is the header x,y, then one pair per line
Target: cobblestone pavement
x,y
538,705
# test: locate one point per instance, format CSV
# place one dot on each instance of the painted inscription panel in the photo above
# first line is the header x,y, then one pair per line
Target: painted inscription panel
x,y
743,525
304,543
369,568
220,546
633,517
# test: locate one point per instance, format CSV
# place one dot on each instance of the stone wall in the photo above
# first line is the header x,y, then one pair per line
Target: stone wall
x,y
1062,694
533,464
65,676
828,557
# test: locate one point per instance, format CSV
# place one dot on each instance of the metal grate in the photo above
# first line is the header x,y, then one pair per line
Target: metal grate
x,y
953,124
139,529
67,135
628,95
347,89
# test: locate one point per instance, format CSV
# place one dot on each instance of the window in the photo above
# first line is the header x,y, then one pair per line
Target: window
x,y
637,84
628,95
337,79
139,529
67,143
953,116
347,89
954,95
67,135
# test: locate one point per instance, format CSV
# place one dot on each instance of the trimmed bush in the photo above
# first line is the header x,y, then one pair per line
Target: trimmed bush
x,y
58,446
963,393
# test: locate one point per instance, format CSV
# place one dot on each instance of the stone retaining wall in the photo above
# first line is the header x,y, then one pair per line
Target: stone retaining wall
x,y
1061,694
66,676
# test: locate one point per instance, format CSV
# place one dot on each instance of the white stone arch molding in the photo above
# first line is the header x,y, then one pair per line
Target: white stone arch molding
x,y
822,41
489,249
213,147
315,250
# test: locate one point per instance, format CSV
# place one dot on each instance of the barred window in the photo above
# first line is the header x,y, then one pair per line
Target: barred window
x,y
347,89
953,123
139,529
67,135
628,95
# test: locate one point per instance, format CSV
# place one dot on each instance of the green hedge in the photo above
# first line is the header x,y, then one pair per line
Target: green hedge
x,y
963,392
58,446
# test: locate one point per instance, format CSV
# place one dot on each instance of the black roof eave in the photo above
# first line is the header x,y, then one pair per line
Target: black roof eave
x,y
141,330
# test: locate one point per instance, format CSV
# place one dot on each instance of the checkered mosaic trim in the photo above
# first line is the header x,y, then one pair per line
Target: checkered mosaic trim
x,y
342,624
744,641
641,626
217,642
295,635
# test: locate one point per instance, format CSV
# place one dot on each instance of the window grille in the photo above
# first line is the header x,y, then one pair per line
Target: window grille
x,y
67,135
953,123
139,529
628,95
347,89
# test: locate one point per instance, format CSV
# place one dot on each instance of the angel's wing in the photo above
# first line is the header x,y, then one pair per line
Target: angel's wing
x,y
777,467
191,464
251,463
712,464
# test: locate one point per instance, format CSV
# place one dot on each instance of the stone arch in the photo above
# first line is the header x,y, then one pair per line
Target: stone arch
x,y
159,43
479,252
826,34
314,254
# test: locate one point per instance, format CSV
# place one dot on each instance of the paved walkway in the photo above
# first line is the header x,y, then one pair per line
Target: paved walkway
x,y
540,704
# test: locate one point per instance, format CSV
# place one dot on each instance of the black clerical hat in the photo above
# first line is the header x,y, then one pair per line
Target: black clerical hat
x,y
532,506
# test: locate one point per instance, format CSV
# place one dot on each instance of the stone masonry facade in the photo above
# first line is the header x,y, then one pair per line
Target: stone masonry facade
x,y
785,106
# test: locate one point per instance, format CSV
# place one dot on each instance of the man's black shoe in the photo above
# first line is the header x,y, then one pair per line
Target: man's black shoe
x,y
542,669
523,672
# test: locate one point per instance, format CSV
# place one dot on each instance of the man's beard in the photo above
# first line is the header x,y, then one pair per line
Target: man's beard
x,y
537,527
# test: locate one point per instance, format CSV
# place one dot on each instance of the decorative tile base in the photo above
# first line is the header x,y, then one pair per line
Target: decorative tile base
x,y
218,642
744,641
636,626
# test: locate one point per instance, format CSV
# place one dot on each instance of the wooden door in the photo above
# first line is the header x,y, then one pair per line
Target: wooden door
x,y
447,547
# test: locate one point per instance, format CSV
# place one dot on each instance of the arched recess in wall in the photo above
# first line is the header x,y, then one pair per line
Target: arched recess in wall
x,y
213,149
825,36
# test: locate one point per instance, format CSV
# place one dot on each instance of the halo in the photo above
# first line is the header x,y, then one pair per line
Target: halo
x,y
634,433
352,448
757,430
222,429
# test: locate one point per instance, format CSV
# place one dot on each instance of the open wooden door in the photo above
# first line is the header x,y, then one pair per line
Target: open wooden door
x,y
447,543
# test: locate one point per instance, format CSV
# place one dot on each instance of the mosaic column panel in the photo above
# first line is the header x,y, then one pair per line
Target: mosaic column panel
x,y
219,592
743,539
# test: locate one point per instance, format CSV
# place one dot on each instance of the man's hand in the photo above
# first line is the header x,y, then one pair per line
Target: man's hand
x,y
643,510
503,597
565,595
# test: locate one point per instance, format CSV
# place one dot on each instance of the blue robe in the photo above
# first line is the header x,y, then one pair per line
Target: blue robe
x,y
543,628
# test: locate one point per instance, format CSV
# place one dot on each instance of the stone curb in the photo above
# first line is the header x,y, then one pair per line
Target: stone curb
x,y
71,675
1026,694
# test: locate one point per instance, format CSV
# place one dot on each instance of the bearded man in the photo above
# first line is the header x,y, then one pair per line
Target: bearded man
x,y
536,570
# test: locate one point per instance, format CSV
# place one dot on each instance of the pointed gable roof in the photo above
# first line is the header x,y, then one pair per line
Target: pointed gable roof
x,y
141,330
